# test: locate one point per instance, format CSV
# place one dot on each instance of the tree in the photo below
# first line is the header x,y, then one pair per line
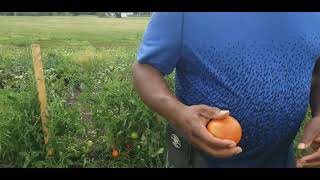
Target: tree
x,y
9,14
100,14
118,14
75,13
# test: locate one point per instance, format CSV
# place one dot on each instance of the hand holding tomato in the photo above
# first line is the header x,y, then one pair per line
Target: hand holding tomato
x,y
194,120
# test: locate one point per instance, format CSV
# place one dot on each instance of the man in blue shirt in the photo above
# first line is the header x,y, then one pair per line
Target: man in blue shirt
x,y
260,68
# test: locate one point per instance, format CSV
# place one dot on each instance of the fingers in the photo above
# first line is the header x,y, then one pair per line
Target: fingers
x,y
315,145
309,161
222,153
217,152
310,158
308,165
214,146
212,112
310,132
200,137
204,136
311,165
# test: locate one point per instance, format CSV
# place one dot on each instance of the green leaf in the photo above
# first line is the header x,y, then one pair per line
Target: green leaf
x,y
160,151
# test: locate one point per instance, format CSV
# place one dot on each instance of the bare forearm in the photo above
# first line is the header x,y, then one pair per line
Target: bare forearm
x,y
192,120
315,96
315,91
155,93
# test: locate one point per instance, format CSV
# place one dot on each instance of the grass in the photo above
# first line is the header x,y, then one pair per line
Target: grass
x,y
71,31
87,64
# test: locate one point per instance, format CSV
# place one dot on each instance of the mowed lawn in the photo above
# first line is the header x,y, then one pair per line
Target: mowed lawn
x,y
71,31
92,105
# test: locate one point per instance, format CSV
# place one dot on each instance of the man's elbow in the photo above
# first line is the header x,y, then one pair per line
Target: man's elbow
x,y
140,70
135,69
135,66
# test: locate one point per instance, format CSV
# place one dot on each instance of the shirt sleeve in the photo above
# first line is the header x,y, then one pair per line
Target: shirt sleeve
x,y
161,43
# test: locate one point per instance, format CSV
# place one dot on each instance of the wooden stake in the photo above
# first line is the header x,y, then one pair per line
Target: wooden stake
x,y
40,81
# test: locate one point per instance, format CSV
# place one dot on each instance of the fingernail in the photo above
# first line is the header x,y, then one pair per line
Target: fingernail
x,y
232,145
299,161
239,151
224,112
303,160
301,146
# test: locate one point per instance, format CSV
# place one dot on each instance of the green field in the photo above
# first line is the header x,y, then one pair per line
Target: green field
x,y
90,95
88,77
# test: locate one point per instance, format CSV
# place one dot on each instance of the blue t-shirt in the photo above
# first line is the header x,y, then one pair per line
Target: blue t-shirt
x,y
257,65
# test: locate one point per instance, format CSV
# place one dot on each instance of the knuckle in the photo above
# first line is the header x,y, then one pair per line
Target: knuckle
x,y
203,105
192,139
217,142
215,109
192,134
199,106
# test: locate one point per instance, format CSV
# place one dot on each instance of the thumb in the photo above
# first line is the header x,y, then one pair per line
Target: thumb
x,y
213,112
309,134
